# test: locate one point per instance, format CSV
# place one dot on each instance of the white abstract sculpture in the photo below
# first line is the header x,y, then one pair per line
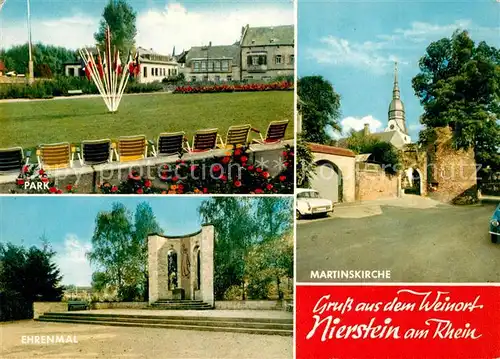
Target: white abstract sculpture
x,y
109,76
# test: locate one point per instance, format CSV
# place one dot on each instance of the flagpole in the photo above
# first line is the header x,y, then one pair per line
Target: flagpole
x,y
30,63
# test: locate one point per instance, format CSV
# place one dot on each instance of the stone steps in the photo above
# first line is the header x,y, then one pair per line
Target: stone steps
x,y
267,326
178,304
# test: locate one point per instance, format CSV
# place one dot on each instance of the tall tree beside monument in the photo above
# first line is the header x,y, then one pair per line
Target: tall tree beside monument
x,y
121,19
320,108
459,86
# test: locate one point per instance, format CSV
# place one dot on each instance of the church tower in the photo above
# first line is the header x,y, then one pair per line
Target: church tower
x,y
397,111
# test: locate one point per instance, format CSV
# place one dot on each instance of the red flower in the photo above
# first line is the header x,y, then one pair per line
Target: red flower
x,y
237,152
250,168
147,183
226,160
134,175
20,181
259,170
291,153
193,168
285,153
26,168
223,178
45,179
237,183
175,179
282,178
217,168
205,190
41,172
114,189
69,188
180,187
140,191
258,190
265,174
59,191
244,159
52,190
269,186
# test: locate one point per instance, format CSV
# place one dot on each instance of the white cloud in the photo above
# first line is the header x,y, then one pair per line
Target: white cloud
x,y
378,56
161,30
72,261
339,51
358,123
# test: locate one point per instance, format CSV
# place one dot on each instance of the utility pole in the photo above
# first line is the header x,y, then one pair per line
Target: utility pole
x,y
31,77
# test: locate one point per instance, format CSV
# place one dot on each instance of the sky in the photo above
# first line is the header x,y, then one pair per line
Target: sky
x,y
68,223
354,45
161,24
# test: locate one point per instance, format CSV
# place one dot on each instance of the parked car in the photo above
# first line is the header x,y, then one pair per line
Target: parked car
x,y
309,203
495,225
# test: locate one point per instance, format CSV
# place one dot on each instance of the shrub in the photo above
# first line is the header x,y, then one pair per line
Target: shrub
x,y
275,86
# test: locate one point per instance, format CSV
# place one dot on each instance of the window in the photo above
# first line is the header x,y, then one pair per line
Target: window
x,y
196,66
292,59
255,60
145,71
210,65
217,78
225,65
169,72
193,78
203,65
277,59
175,72
156,71
205,78
230,78
152,71
217,66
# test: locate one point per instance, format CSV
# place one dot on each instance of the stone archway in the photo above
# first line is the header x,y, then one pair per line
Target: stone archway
x,y
328,181
412,181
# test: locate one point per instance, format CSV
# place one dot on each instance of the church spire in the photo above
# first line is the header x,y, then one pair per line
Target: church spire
x,y
395,90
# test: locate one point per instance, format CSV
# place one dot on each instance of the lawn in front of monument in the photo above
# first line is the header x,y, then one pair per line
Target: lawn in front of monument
x,y
30,123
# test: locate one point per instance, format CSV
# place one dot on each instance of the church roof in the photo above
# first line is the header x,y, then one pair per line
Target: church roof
x,y
384,136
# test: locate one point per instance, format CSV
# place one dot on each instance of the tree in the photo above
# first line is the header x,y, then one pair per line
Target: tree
x,y
120,250
306,167
145,223
382,153
120,17
267,263
26,276
275,216
459,86
320,108
235,232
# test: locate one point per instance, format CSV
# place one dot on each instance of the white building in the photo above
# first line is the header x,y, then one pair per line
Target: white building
x,y
156,67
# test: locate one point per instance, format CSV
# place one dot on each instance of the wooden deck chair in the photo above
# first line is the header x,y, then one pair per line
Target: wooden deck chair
x,y
12,159
204,140
275,132
93,152
168,144
55,155
131,148
236,136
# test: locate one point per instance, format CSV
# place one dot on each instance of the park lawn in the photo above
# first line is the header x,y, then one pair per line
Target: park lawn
x,y
28,124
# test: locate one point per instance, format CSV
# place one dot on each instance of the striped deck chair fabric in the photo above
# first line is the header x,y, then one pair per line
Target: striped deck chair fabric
x,y
204,140
275,132
169,144
236,136
11,159
93,152
131,148
55,155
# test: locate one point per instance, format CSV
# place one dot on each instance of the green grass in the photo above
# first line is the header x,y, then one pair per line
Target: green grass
x,y
28,124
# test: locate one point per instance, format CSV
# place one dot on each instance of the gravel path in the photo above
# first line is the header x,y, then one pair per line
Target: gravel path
x,y
97,341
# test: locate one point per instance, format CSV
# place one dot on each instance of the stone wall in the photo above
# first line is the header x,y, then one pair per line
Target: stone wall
x,y
87,178
373,183
249,305
48,307
451,173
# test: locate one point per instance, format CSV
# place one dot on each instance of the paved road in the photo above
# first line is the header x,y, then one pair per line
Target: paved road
x,y
417,239
98,341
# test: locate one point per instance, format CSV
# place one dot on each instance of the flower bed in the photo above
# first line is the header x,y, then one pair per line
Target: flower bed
x,y
275,86
33,179
232,174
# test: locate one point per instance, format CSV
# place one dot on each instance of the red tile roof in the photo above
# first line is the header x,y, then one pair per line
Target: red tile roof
x,y
330,150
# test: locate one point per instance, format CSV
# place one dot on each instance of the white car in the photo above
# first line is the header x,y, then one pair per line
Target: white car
x,y
309,202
